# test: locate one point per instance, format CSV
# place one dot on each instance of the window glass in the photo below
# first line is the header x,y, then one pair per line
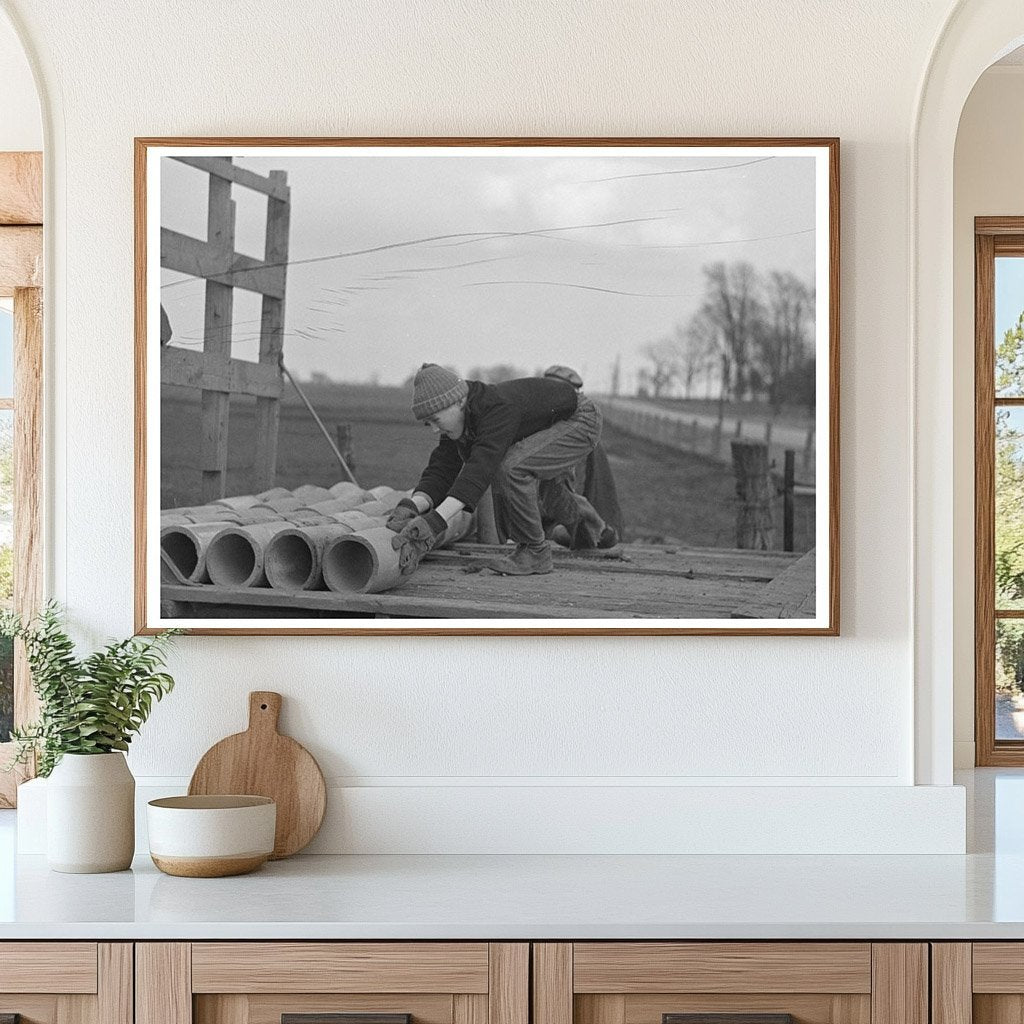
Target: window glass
x,y
1009,510
6,353
1009,679
6,568
1009,327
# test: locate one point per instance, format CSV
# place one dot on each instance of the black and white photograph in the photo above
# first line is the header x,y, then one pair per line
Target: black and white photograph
x,y
479,385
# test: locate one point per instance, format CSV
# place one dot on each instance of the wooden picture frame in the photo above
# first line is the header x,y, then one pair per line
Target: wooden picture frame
x,y
226,220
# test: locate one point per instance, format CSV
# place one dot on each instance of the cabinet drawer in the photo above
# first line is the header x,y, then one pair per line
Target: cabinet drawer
x,y
730,983
66,982
634,967
65,967
332,983
340,967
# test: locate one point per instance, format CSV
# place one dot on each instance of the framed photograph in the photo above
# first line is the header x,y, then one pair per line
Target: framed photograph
x,y
487,385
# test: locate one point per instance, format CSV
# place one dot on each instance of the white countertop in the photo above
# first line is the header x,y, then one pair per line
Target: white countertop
x,y
517,897
976,896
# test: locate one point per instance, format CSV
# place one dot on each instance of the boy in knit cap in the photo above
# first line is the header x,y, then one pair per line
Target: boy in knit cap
x,y
508,436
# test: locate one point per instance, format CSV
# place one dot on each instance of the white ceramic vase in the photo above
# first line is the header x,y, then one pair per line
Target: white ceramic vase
x,y
90,814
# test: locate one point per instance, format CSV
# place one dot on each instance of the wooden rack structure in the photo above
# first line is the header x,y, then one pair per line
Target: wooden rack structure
x,y
213,370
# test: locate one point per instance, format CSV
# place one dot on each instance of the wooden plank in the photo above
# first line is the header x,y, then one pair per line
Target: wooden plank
x,y
163,983
722,967
272,338
339,967
21,259
115,983
66,967
226,1009
28,483
189,255
21,188
76,1009
508,992
997,1009
552,983
951,1000
466,1009
788,596
580,562
213,454
30,1009
998,967
999,226
186,368
899,973
431,601
605,1009
222,167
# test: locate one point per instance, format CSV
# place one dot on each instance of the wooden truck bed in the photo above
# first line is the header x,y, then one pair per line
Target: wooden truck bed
x,y
631,581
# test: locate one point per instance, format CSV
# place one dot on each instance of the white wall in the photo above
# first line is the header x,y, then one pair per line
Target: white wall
x,y
21,127
429,717
987,182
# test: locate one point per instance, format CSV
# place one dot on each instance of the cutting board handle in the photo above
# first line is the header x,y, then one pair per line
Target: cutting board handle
x,y
264,710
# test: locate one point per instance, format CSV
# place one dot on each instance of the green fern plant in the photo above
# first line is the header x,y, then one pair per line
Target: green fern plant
x,y
90,705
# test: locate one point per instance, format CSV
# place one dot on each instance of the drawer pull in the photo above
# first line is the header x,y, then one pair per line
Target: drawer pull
x,y
727,1018
339,1018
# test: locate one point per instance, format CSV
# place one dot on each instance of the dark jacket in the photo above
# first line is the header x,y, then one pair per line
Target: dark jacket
x,y
497,415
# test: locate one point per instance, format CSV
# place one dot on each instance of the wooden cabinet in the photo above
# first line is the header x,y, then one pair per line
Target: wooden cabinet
x,y
308,982
759,982
66,982
977,983
494,983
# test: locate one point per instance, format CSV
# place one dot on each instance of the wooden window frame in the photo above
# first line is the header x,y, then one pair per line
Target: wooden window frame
x,y
21,278
993,237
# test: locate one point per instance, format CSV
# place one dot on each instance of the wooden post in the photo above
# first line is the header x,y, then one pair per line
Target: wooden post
x,y
754,527
268,410
217,342
788,482
344,435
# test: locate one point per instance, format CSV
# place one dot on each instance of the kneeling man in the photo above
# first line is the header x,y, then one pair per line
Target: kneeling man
x,y
507,436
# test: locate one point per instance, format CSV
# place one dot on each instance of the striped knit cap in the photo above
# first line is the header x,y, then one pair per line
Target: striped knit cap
x,y
434,388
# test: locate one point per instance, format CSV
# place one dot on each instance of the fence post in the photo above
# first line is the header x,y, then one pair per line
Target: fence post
x,y
754,526
343,432
788,482
809,450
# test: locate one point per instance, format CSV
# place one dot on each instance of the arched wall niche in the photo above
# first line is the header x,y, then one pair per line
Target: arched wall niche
x,y
975,35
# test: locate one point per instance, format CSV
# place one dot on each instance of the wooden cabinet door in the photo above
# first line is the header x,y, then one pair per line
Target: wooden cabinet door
x,y
66,982
730,983
978,983
332,983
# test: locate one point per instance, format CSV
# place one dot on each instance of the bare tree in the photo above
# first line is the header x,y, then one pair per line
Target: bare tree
x,y
732,304
781,338
666,358
699,342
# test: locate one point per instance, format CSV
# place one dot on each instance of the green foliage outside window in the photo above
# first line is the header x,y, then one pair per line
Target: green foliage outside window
x,y
1009,510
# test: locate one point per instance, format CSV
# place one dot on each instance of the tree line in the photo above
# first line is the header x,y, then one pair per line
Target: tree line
x,y
753,335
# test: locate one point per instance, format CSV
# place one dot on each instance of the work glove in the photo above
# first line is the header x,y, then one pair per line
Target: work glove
x,y
404,512
416,538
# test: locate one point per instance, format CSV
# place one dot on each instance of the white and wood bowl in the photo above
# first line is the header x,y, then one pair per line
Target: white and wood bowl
x,y
211,836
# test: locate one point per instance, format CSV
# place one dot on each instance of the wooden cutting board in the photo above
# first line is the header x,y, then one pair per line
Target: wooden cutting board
x,y
262,762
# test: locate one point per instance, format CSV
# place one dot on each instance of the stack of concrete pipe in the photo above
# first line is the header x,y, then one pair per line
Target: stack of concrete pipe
x,y
311,538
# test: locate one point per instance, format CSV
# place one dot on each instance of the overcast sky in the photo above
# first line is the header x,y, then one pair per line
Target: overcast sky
x,y
568,258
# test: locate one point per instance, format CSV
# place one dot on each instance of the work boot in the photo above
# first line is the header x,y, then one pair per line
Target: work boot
x,y
524,561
